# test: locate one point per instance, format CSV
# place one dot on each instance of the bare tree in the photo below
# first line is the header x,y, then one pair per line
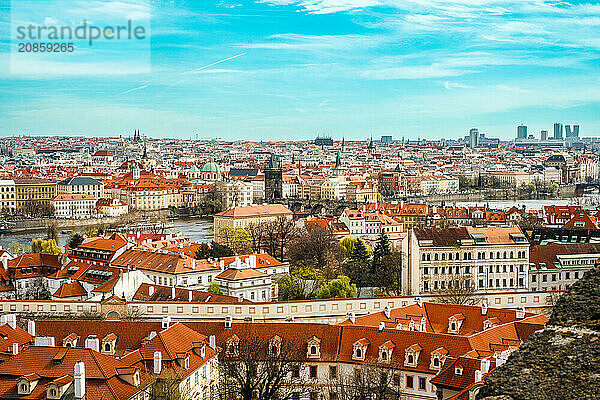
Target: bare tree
x,y
257,235
372,380
459,290
253,367
311,247
167,386
52,230
285,229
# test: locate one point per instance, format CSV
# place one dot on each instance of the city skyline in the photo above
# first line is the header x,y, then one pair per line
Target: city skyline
x,y
283,69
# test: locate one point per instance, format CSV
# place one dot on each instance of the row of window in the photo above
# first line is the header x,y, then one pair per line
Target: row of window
x,y
555,277
451,256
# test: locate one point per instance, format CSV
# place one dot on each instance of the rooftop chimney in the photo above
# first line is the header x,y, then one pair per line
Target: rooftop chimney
x,y
9,319
157,362
228,321
166,322
150,291
47,341
520,313
190,295
222,264
484,309
386,312
31,327
5,263
173,292
15,348
92,342
352,317
381,326
485,365
212,342
79,377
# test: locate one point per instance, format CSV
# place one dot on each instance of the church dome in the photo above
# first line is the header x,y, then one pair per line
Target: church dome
x,y
211,166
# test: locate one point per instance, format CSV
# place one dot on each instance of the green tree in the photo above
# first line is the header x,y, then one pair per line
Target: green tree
x,y
237,239
347,244
213,202
358,264
44,246
290,288
75,240
339,288
301,284
382,249
389,273
214,288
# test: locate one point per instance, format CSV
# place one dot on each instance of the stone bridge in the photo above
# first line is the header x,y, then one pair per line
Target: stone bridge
x,y
319,208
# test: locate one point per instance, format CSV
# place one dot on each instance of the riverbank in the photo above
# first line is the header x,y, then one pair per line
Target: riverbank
x,y
197,229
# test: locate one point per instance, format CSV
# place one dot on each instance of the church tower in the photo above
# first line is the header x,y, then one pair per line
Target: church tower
x,y
273,179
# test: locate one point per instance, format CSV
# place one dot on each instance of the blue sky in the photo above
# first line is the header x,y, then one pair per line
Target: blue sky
x,y
286,69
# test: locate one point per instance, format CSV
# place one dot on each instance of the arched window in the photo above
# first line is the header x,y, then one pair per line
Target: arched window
x,y
435,256
106,346
23,388
423,258
512,254
358,352
313,349
411,359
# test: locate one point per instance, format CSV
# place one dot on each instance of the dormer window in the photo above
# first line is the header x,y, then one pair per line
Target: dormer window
x,y
359,349
385,351
490,323
275,345
455,322
438,357
27,383
71,340
411,356
109,344
458,371
232,345
314,348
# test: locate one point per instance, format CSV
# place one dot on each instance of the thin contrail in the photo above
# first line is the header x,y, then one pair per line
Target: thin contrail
x,y
216,62
201,68
134,89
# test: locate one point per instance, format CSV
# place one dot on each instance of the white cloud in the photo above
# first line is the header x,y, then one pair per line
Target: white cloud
x,y
455,85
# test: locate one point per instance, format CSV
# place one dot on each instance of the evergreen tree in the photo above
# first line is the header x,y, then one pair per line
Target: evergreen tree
x,y
382,249
75,240
358,264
